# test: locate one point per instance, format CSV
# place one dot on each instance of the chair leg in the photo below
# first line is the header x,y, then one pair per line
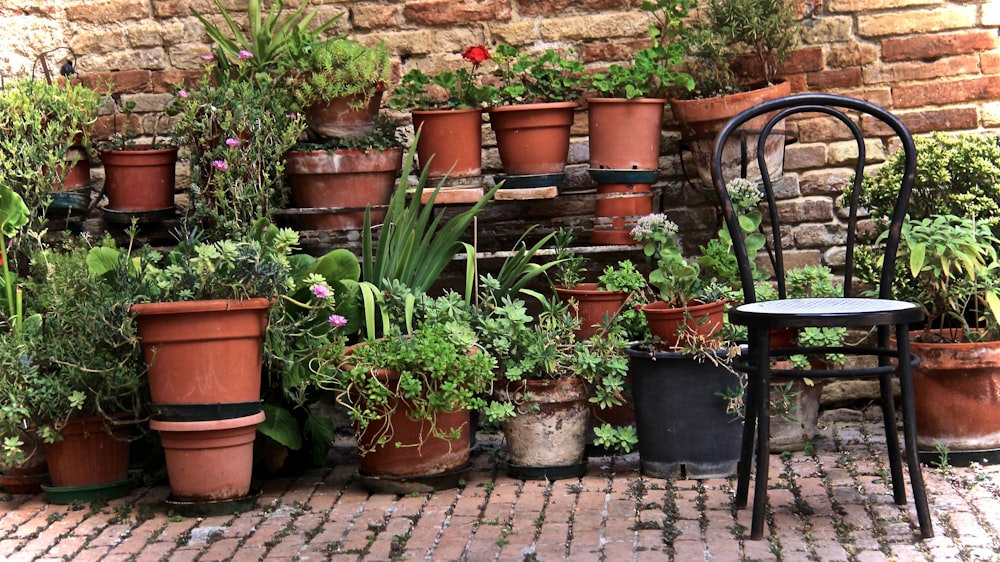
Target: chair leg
x,y
746,447
910,435
892,440
762,400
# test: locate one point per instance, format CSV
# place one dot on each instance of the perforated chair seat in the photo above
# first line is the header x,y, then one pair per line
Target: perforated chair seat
x,y
825,312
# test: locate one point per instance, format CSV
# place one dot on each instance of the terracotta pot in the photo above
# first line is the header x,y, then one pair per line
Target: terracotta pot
x,y
203,352
550,428
88,455
453,138
78,175
533,139
591,305
625,134
209,460
701,120
346,117
27,477
139,180
681,418
617,209
957,398
342,179
667,322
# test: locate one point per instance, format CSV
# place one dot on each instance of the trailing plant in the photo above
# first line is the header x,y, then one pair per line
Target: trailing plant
x,y
40,122
448,89
271,38
536,77
237,131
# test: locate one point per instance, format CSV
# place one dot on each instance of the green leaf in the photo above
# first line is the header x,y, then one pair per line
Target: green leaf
x,y
319,430
281,426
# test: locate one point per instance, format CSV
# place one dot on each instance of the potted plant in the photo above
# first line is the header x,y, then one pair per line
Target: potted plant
x,y
46,158
595,304
546,382
533,114
139,177
237,126
447,111
332,182
735,49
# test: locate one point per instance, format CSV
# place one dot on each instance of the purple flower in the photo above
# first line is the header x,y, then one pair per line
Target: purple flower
x,y
320,291
292,115
233,142
244,54
220,165
337,320
207,57
182,94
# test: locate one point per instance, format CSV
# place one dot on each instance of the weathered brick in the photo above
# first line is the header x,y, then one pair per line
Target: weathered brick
x,y
122,82
832,29
443,12
838,6
916,21
834,79
949,119
941,92
991,114
611,50
910,71
800,156
170,8
931,47
553,8
107,11
372,16
808,59
989,63
851,55
594,27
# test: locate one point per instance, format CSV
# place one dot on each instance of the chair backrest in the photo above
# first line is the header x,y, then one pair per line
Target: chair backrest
x,y
750,132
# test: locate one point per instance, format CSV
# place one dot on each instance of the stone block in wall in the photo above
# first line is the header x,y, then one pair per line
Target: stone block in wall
x,y
516,33
449,12
845,153
819,236
848,55
806,209
844,6
828,80
800,156
147,103
827,182
827,30
928,47
909,71
991,114
948,119
107,12
130,59
917,21
808,59
552,8
591,27
377,16
611,50
98,41
946,92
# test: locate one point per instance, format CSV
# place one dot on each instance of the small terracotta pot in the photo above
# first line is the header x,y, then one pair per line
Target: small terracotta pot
x,y
533,139
139,180
592,306
203,352
450,142
617,208
666,321
88,455
625,134
209,460
346,117
78,175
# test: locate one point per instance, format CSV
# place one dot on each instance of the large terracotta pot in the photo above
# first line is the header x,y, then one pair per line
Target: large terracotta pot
x,y
93,451
346,117
209,460
701,120
668,323
139,180
533,139
342,179
450,142
957,393
625,134
682,424
592,306
203,352
550,428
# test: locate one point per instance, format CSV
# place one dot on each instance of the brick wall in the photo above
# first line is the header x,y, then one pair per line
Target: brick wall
x,y
934,63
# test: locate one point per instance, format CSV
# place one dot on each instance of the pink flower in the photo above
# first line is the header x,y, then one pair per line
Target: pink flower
x,y
244,54
207,57
320,291
182,94
220,165
233,142
337,320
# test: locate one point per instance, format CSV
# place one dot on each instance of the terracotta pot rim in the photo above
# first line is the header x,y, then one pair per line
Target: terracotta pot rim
x,y
207,425
533,106
139,149
587,288
445,111
664,306
211,305
602,100
344,152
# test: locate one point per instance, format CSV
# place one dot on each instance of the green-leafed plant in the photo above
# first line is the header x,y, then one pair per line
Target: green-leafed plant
x,y
653,70
39,123
448,89
956,175
537,77
384,136
948,265
271,38
677,280
237,131
438,365
340,68
717,258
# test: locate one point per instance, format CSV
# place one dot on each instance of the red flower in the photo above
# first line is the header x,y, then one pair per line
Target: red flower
x,y
476,54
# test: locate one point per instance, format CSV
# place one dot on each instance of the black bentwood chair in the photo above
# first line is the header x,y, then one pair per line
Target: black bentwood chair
x,y
882,313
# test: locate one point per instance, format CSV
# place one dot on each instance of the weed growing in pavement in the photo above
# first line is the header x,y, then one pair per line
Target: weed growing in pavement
x,y
55,516
942,451
809,449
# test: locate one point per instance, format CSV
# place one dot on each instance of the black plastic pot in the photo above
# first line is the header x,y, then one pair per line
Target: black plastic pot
x,y
681,419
